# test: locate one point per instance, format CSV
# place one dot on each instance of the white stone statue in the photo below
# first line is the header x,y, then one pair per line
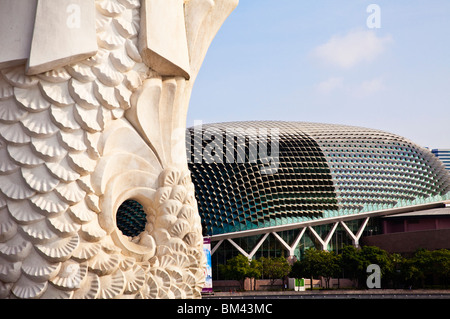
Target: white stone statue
x,y
93,102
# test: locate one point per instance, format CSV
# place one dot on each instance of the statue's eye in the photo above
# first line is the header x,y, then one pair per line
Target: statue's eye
x,y
131,218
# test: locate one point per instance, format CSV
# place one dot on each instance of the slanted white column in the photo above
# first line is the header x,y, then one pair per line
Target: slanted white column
x,y
254,250
242,251
216,246
281,240
324,242
290,248
355,238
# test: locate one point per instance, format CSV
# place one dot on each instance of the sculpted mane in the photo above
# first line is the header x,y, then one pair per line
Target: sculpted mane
x,y
83,130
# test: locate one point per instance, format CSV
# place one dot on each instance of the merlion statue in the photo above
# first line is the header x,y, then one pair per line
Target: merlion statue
x,y
93,102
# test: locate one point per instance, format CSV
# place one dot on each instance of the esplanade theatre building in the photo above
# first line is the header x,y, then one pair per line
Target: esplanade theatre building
x,y
268,188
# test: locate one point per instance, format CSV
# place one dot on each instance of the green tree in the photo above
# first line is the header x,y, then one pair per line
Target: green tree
x,y
275,268
351,262
394,273
317,263
255,271
442,262
356,260
375,255
298,270
312,264
410,272
424,267
329,266
236,268
431,266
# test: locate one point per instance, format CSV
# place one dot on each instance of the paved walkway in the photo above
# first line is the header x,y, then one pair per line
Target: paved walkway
x,y
327,294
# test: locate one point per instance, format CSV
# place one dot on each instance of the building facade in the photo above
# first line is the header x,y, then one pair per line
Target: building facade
x,y
443,155
407,232
277,188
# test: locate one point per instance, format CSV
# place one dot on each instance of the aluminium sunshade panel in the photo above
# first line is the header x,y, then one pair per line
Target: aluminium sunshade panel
x,y
323,170
301,186
373,168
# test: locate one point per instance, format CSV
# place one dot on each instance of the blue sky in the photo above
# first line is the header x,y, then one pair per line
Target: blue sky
x,y
318,61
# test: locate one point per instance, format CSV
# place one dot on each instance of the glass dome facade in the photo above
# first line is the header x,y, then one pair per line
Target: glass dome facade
x,y
259,174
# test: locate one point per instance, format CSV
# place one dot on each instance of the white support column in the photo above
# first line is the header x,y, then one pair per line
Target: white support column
x,y
281,240
330,234
255,249
296,241
243,252
317,236
349,232
355,238
361,230
291,248
324,242
216,246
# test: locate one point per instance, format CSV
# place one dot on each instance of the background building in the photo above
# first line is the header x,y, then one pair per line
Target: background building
x,y
277,188
405,233
443,155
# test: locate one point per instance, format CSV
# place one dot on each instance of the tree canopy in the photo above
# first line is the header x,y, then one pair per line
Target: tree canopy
x,y
424,268
239,268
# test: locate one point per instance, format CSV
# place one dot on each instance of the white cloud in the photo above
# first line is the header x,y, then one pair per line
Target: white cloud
x,y
355,47
329,85
369,87
356,90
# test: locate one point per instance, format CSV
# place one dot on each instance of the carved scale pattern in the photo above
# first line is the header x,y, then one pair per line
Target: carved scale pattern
x,y
55,130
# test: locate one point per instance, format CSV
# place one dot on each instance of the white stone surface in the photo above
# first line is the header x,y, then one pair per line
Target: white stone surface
x,y
83,131
68,26
16,25
158,49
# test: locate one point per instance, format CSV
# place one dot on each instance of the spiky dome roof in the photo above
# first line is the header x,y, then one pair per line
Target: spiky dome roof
x,y
320,171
